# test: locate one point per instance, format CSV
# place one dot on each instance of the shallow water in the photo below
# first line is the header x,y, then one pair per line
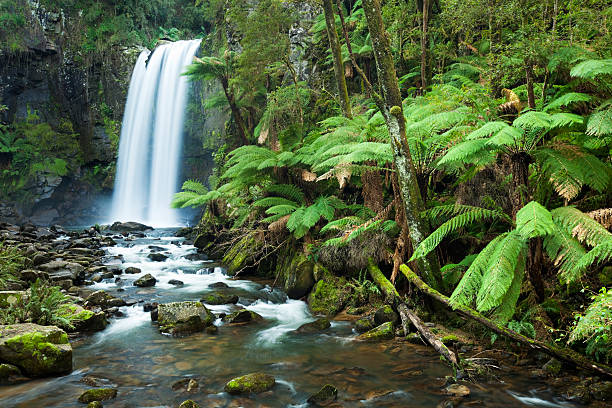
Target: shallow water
x,y
132,355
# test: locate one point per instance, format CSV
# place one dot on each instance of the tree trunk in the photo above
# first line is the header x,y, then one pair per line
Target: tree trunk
x,y
566,355
242,130
424,45
529,77
334,45
391,109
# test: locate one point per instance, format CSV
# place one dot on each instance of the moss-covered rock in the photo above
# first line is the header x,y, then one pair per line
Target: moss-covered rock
x,y
82,319
382,332
242,316
386,314
94,404
220,299
9,373
183,317
241,254
250,383
314,327
104,300
296,272
329,295
98,394
189,404
38,351
325,396
364,324
145,281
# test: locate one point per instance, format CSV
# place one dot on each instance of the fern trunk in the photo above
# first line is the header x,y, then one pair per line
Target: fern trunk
x,y
334,45
242,129
424,45
391,109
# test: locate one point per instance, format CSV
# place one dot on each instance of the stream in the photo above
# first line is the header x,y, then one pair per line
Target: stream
x,y
133,356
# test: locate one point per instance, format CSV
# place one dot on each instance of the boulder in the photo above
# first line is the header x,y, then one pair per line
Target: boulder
x,y
82,319
157,257
189,404
250,383
176,282
98,394
104,300
38,351
325,396
329,296
219,299
364,324
9,374
382,332
30,275
218,285
242,316
314,327
145,281
385,314
62,270
129,227
132,270
183,317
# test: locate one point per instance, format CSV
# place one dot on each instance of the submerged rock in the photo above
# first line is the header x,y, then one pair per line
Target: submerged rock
x,y
94,404
220,299
157,257
242,316
325,396
189,404
9,373
458,390
132,270
176,282
183,317
145,281
218,285
129,227
314,327
98,394
250,383
382,332
37,351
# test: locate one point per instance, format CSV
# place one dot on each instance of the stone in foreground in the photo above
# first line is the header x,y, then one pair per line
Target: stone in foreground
x,y
183,317
382,332
38,351
242,316
189,404
325,396
253,383
220,299
98,394
314,327
145,281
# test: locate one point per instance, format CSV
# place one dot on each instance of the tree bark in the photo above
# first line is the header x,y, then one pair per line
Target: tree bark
x,y
242,130
530,92
424,45
391,109
566,355
334,45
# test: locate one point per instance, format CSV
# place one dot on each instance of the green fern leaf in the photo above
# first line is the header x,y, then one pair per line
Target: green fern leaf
x,y
592,69
533,220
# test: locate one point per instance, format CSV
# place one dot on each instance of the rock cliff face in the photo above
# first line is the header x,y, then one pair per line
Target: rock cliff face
x,y
50,78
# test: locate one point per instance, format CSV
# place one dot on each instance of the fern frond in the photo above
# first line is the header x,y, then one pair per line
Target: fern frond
x,y
533,220
487,130
568,99
565,251
601,253
592,69
581,226
283,209
504,312
274,201
289,191
533,120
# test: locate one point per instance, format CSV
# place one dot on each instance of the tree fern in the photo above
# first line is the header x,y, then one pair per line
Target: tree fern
x,y
568,99
533,220
592,69
581,226
565,251
289,191
507,307
274,201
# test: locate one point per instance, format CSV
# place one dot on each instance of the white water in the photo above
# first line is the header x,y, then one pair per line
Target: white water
x,y
151,136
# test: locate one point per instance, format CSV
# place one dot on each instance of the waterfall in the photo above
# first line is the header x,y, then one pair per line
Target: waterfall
x,y
151,136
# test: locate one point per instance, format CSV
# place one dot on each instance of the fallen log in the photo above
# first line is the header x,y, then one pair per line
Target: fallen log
x,y
393,297
566,355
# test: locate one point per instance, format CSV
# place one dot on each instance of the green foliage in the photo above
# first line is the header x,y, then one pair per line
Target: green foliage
x,y
12,261
594,328
304,218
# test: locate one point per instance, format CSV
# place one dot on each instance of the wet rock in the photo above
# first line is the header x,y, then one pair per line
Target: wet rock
x,y
324,397
552,366
183,317
193,385
329,296
180,384
95,404
61,270
579,393
458,390
145,281
242,316
92,381
104,300
382,332
40,258
156,248
82,319
251,383
189,404
38,351
196,257
212,329
314,327
147,307
132,270
218,285
353,311
30,275
98,394
386,314
601,391
176,282
220,299
157,257
364,324
296,273
129,227
9,374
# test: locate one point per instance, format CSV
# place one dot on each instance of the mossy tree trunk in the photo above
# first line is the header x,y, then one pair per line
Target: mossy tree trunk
x,y
424,45
334,45
231,101
391,108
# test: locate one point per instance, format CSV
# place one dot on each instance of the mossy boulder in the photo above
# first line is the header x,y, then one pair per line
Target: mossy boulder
x,y
218,298
364,324
253,383
382,332
82,319
9,373
325,396
189,404
242,316
38,351
95,404
104,300
296,272
329,296
314,327
242,254
183,317
98,394
145,281
386,314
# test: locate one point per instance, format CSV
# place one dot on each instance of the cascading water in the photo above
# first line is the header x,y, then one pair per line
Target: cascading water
x,y
151,136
